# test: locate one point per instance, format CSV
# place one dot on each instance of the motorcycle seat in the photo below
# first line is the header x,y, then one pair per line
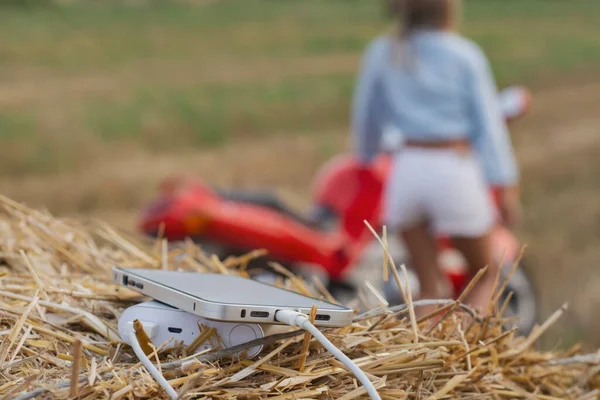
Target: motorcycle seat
x,y
265,199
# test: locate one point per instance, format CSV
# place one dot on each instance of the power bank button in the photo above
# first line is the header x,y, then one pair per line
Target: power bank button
x,y
241,334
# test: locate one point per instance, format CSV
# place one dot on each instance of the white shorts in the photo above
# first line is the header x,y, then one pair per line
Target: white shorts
x,y
442,187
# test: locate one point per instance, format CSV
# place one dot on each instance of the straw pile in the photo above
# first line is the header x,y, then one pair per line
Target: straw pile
x,y
59,315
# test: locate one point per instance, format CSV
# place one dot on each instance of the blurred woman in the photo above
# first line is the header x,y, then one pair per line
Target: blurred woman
x,y
438,89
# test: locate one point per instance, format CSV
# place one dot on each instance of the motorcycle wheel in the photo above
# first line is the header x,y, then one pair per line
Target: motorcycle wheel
x,y
522,308
523,304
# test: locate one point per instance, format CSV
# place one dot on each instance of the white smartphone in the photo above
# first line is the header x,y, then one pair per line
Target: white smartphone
x,y
227,297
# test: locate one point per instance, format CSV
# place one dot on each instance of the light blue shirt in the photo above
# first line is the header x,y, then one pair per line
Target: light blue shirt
x,y
439,87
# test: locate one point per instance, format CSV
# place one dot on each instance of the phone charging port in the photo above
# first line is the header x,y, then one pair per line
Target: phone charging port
x,y
322,317
259,314
175,330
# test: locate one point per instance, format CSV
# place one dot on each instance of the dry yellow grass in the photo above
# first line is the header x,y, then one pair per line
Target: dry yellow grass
x,y
59,314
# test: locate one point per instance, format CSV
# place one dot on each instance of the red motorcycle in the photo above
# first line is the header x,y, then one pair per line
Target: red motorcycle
x,y
333,237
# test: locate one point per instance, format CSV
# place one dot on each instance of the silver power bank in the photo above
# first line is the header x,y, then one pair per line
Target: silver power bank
x,y
227,297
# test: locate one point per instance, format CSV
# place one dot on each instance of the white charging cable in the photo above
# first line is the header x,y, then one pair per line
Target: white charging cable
x,y
294,318
137,349
289,317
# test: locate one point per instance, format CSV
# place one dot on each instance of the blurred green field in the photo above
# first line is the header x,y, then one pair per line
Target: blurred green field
x,y
79,80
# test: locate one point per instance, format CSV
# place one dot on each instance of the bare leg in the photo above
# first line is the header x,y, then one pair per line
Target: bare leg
x,y
423,254
478,253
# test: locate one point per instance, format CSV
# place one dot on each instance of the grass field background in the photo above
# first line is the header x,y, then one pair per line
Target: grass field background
x,y
78,81
101,100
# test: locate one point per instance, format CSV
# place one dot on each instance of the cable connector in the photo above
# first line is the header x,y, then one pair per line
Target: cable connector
x,y
291,318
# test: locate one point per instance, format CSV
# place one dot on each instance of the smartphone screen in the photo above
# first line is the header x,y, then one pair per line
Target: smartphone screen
x,y
230,289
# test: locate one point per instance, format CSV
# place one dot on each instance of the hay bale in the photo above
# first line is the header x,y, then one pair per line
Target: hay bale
x,y
59,315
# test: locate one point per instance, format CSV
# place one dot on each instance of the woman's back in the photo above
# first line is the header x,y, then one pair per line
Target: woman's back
x,y
432,85
424,83
426,92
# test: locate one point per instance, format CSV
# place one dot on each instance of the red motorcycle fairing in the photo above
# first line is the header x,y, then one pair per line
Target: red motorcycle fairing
x,y
194,211
353,192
